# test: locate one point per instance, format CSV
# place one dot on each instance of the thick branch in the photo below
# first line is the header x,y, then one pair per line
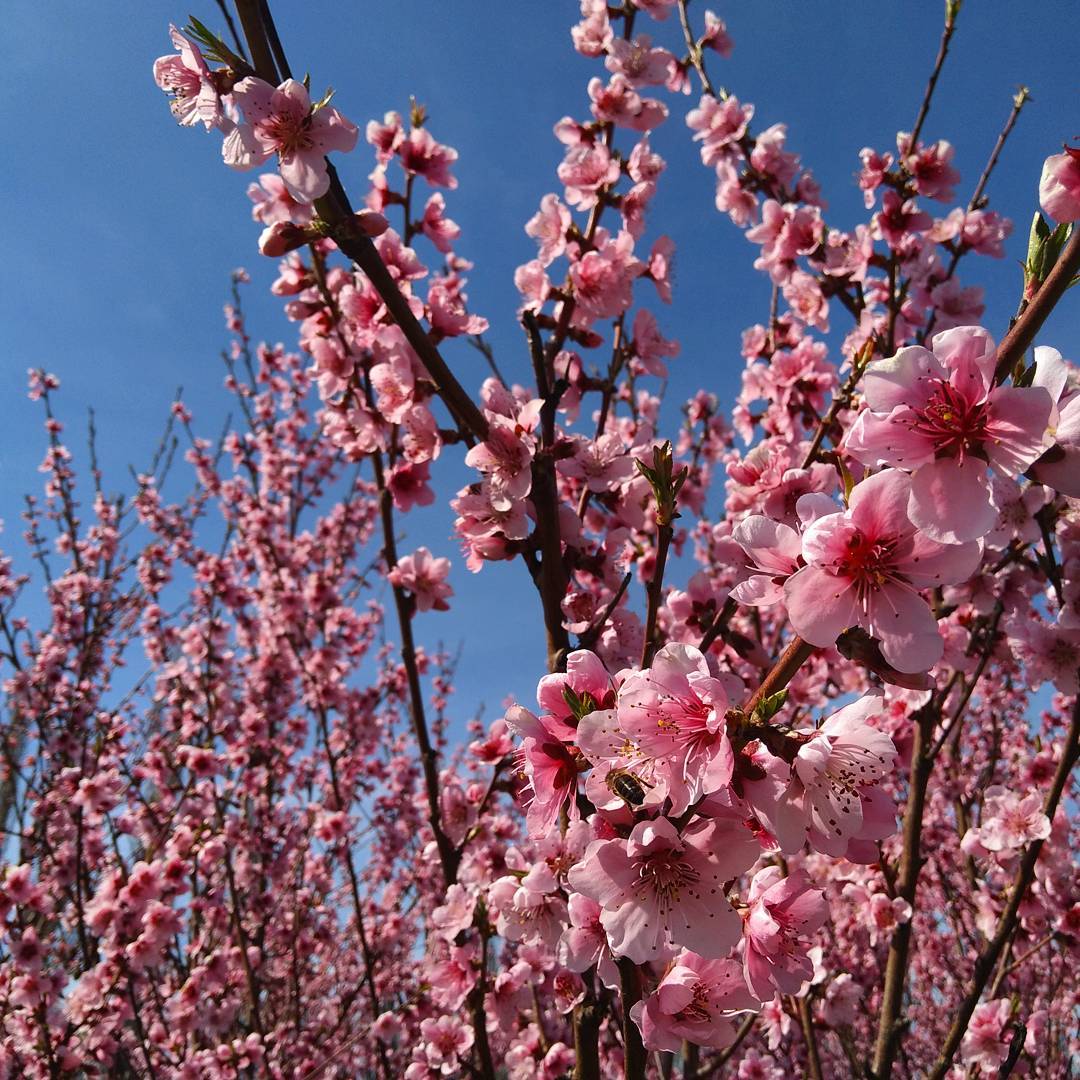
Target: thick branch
x,y
1022,334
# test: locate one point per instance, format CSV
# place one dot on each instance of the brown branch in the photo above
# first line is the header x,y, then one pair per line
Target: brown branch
x,y
952,8
890,1026
781,673
1023,331
334,208
806,1022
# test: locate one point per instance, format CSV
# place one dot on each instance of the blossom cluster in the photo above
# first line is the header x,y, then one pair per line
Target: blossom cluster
x,y
245,835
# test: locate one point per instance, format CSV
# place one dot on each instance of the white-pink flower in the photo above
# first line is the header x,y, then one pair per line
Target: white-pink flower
x,y
697,1000
425,578
782,912
187,78
865,568
939,415
1059,186
282,121
660,889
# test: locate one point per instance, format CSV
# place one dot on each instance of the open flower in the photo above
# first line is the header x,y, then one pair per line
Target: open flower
x,y
282,121
938,414
782,912
833,799
659,889
675,713
865,568
696,1000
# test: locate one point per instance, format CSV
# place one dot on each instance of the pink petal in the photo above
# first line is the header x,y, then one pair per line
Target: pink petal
x,y
968,352
305,175
820,605
930,564
950,500
879,504
889,439
1017,427
902,621
903,379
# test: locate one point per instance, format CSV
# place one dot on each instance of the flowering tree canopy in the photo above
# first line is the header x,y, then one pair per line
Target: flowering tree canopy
x,y
796,793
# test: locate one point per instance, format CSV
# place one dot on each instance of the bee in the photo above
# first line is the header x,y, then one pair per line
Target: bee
x,y
629,788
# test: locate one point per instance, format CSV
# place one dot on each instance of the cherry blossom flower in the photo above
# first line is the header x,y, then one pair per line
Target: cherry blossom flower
x,y
549,767
446,1041
865,568
783,912
190,82
675,713
938,413
425,578
282,121
1010,822
660,889
833,798
986,1043
698,999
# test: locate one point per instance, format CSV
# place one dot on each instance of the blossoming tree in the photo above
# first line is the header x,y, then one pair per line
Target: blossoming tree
x,y
786,805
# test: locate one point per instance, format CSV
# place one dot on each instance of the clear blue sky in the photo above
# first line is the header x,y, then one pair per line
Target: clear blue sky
x,y
121,228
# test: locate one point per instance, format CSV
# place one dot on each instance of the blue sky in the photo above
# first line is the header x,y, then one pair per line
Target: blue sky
x,y
122,229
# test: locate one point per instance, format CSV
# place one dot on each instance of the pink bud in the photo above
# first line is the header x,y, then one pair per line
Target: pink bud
x,y
371,223
1059,188
281,238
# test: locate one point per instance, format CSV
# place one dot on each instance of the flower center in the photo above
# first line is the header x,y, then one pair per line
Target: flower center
x,y
665,875
957,427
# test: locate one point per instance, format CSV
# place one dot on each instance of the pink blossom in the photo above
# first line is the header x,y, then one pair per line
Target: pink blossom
x,y
505,458
586,169
833,799
385,137
675,713
282,121
529,909
986,1043
1059,186
603,464
408,485
718,124
456,914
930,167
939,414
584,942
436,226
549,227
273,203
696,1000
865,568
186,77
1059,467
783,912
549,768
1009,822
422,156
446,1041
649,345
659,889
898,218
661,261
425,578
639,61
603,279
716,36
874,168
